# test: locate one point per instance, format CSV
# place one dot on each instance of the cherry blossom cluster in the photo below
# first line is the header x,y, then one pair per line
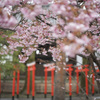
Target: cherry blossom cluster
x,y
75,25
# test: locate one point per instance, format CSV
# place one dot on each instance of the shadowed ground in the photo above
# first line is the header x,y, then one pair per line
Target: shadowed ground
x,y
67,98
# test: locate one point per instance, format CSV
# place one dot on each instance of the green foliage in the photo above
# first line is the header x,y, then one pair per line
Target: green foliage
x,y
4,35
7,62
31,58
6,69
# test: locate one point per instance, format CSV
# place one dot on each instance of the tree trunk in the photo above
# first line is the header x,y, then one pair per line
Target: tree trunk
x,y
82,79
59,93
25,82
98,83
97,75
31,59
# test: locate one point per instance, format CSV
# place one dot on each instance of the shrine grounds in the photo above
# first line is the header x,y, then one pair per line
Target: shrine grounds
x,y
97,97
41,97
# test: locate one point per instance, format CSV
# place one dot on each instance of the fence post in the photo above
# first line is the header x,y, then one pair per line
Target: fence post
x,y
86,81
28,81
52,83
33,81
13,85
93,83
70,79
18,76
45,88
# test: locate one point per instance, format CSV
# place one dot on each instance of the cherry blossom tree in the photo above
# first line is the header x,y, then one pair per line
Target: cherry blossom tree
x,y
73,24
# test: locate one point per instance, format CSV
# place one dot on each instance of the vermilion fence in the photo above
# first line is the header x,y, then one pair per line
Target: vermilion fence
x,y
50,67
69,69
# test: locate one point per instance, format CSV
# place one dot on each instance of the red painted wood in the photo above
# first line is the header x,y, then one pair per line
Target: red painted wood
x,y
93,83
45,89
33,81
28,80
70,79
86,80
52,82
70,84
13,85
77,87
86,65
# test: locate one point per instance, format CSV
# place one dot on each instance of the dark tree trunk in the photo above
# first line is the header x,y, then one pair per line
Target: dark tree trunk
x,y
97,75
98,82
25,82
31,59
59,93
82,79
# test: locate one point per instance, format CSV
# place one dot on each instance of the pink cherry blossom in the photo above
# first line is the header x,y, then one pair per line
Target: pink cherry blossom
x,y
23,58
44,21
75,27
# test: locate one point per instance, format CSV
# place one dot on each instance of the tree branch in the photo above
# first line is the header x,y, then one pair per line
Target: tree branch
x,y
39,18
83,56
7,29
95,60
